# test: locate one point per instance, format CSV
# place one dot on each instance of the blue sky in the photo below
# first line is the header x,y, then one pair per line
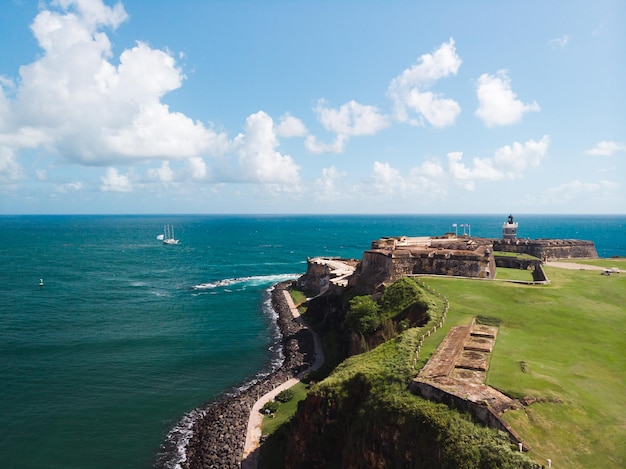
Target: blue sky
x,y
312,106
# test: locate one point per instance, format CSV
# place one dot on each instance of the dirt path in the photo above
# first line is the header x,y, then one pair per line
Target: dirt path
x,y
253,436
573,266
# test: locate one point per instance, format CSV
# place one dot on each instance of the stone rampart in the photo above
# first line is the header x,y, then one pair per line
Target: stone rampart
x,y
400,262
548,248
480,411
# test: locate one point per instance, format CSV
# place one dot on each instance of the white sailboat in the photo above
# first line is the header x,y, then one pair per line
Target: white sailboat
x,y
168,235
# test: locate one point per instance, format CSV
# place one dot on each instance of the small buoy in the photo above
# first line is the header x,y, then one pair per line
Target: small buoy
x,y
41,282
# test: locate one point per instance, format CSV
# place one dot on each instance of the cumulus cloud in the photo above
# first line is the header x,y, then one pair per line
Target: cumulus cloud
x,y
408,90
386,180
498,104
431,178
259,161
426,179
574,189
196,168
508,162
315,146
291,126
326,187
351,119
113,181
162,174
10,169
77,100
607,148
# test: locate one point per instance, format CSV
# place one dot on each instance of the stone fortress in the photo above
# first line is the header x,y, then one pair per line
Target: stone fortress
x,y
450,254
455,373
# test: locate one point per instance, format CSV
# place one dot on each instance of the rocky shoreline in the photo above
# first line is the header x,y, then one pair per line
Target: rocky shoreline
x,y
219,436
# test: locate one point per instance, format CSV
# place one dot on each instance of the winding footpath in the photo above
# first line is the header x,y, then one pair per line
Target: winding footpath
x,y
253,435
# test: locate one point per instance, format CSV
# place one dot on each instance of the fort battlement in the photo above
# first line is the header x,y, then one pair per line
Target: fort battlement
x,y
390,258
438,256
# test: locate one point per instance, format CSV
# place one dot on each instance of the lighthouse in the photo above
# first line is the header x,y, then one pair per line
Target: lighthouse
x,y
509,229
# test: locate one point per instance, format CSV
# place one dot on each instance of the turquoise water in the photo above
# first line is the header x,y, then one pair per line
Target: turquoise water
x,y
128,335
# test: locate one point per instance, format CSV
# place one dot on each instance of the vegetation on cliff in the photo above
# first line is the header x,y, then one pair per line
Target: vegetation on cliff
x,y
402,302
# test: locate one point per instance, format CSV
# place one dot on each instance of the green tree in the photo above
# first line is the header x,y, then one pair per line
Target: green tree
x,y
400,295
363,315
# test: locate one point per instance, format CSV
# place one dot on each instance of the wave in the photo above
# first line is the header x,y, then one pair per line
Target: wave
x,y
175,446
256,280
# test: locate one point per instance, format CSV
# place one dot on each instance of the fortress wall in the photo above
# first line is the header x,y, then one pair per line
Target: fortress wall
x,y
483,413
376,261
316,277
516,263
406,262
580,249
548,248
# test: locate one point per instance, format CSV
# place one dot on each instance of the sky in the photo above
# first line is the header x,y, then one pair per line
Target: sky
x,y
307,107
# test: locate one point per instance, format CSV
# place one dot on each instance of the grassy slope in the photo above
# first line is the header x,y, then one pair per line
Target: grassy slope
x,y
570,334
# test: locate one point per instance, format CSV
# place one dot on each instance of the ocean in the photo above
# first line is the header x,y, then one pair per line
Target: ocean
x,y
127,335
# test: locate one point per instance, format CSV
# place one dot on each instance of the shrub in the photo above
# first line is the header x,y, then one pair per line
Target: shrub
x,y
285,395
363,315
400,295
271,406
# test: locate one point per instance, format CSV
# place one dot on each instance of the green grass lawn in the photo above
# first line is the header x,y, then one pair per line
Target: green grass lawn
x,y
504,273
299,299
513,254
285,410
570,335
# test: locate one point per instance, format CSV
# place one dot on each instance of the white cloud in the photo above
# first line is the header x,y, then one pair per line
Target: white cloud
x,y
313,145
607,148
162,174
196,167
514,160
69,187
407,91
559,42
508,162
572,190
386,180
112,181
498,104
10,169
426,181
431,178
259,161
326,187
351,119
290,126
76,101
429,169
